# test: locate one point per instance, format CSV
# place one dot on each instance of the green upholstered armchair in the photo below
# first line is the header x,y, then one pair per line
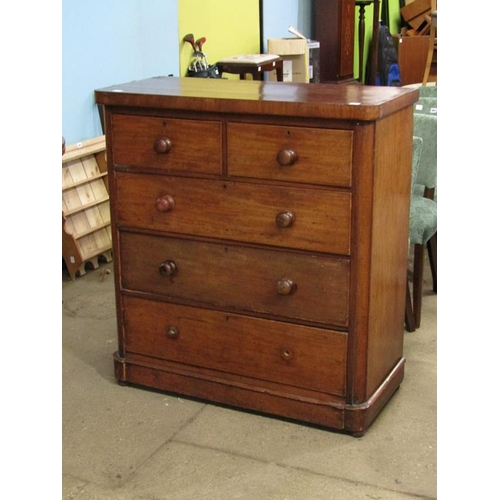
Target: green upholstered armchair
x,y
427,90
426,106
423,212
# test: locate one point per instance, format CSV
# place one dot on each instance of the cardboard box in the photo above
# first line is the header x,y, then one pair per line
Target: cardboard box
x,y
300,58
295,58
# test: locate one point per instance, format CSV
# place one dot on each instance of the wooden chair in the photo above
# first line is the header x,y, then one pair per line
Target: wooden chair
x,y
432,44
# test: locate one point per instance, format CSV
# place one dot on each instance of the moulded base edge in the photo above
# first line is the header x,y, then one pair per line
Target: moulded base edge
x,y
351,419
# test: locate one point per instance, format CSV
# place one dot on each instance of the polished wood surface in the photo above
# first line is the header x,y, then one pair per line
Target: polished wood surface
x,y
344,102
220,341
167,144
266,267
253,280
323,216
290,153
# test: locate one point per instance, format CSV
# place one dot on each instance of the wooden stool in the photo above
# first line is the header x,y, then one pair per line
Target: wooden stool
x,y
432,48
256,69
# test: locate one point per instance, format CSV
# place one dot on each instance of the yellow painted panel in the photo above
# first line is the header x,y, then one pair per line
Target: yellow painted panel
x,y
230,27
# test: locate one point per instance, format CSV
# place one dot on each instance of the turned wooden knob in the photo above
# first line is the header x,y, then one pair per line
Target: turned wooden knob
x,y
286,157
172,332
168,268
286,286
162,145
165,203
285,219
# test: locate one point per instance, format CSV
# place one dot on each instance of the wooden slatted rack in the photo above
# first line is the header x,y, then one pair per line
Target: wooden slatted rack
x,y
86,225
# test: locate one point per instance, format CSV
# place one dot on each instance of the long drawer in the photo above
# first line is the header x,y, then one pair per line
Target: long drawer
x,y
167,144
295,154
296,355
292,217
285,284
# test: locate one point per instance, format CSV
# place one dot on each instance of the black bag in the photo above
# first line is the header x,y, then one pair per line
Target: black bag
x,y
387,60
211,72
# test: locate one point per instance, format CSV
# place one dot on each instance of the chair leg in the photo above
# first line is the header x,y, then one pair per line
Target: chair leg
x,y
409,317
418,276
430,54
432,253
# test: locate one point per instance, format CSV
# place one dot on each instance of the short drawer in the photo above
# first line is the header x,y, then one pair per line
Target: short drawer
x,y
167,144
292,217
296,355
296,154
290,285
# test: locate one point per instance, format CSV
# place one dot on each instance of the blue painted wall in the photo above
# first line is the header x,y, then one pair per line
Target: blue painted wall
x,y
105,42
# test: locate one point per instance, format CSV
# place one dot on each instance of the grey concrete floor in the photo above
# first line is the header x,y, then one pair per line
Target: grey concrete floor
x,y
123,442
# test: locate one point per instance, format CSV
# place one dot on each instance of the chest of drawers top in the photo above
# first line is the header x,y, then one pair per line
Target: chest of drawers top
x,y
329,101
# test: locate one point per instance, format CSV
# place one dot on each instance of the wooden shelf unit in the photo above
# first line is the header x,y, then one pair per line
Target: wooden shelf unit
x,y
86,223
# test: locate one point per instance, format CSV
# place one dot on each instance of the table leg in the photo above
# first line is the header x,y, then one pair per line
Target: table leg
x,y
279,71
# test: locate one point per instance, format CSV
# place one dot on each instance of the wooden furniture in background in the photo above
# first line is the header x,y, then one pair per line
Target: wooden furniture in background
x,y
86,231
431,62
334,29
261,239
416,14
412,54
256,69
362,4
417,42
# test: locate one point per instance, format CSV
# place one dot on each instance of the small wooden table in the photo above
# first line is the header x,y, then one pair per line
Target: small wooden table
x,y
255,69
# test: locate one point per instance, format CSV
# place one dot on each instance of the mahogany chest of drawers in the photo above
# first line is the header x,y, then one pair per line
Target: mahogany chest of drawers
x,y
260,236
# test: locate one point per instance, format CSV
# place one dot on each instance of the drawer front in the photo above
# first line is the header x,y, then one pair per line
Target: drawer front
x,y
309,219
297,154
286,284
295,355
167,144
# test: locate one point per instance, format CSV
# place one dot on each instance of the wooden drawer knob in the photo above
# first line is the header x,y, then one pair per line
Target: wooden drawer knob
x,y
287,354
162,145
286,286
286,157
168,268
165,203
285,219
172,332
